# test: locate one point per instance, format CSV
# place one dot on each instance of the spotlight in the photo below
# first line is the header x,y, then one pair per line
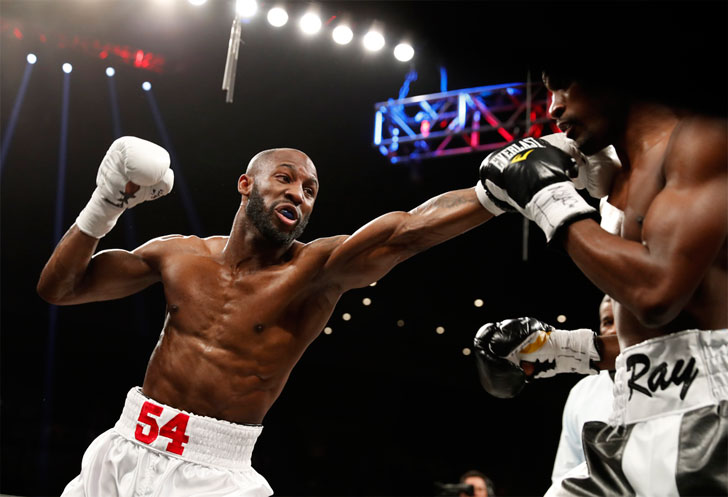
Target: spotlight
x,y
67,68
246,8
366,301
197,2
31,58
561,318
277,17
404,52
342,34
346,316
373,284
478,303
146,86
110,71
373,41
328,330
310,23
439,330
466,351
400,323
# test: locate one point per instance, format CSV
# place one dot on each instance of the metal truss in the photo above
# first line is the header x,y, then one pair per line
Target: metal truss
x,y
460,121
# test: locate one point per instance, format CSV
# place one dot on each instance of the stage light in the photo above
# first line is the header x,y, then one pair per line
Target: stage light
x,y
67,68
342,34
31,58
400,323
439,330
373,284
366,301
346,316
310,23
197,3
246,8
466,351
277,17
478,303
404,52
561,318
328,330
146,86
373,41
110,71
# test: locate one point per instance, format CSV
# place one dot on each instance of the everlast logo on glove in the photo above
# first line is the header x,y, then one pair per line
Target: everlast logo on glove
x,y
519,146
639,365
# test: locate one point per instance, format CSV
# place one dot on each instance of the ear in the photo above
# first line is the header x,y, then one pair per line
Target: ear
x,y
245,184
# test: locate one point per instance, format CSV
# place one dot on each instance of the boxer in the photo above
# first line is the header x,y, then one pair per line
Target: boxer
x,y
660,252
240,311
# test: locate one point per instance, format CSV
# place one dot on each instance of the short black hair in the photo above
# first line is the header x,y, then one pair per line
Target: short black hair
x,y
488,482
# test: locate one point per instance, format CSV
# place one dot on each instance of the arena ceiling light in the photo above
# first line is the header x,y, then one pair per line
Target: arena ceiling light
x,y
197,2
146,86
67,68
310,23
373,41
342,34
404,52
277,17
245,9
110,71
31,58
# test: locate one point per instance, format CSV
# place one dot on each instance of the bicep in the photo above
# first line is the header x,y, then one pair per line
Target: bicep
x,y
116,273
684,228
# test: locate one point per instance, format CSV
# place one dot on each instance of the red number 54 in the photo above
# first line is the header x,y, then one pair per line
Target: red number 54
x,y
173,430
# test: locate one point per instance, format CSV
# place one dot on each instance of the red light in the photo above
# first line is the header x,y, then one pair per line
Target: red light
x,y
443,124
103,54
331,19
139,58
425,128
43,38
505,134
18,34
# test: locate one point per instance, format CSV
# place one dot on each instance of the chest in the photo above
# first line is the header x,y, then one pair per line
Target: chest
x,y
634,190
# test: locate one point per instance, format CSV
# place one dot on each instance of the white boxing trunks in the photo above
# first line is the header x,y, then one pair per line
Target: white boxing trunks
x,y
668,432
156,450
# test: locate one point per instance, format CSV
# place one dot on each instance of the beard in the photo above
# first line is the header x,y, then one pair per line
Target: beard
x,y
262,219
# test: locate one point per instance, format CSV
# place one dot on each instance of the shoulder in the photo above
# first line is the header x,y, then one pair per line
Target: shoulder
x,y
699,146
181,244
321,246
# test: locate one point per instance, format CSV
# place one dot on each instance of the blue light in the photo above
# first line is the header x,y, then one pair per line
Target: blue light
x,y
395,132
420,116
513,91
378,127
383,150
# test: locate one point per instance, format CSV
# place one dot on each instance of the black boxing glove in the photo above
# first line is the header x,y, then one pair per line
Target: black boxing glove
x,y
500,348
532,176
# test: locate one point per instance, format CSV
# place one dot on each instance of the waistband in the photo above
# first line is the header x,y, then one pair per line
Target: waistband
x,y
670,374
197,439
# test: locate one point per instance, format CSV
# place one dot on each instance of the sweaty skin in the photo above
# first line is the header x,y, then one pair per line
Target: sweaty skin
x,y
241,309
667,269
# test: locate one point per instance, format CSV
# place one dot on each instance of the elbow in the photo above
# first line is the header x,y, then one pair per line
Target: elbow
x,y
49,293
657,309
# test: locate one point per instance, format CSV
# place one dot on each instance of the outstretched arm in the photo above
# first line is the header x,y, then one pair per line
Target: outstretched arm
x,y
378,246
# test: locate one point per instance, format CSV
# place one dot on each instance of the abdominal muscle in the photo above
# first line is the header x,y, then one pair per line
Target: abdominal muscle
x,y
207,376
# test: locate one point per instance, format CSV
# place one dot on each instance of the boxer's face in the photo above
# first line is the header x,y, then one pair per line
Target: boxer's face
x,y
583,114
282,196
606,318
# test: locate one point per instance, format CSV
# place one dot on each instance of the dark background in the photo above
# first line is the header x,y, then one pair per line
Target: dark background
x,y
373,408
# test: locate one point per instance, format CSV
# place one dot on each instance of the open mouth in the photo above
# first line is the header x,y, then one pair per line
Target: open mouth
x,y
287,214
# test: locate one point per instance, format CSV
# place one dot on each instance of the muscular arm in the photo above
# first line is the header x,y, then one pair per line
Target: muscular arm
x,y
73,275
683,231
377,247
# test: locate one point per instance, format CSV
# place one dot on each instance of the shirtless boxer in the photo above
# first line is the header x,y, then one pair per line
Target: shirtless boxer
x,y
661,254
241,310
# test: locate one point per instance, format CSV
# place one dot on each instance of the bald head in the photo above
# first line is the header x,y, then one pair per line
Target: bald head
x,y
263,161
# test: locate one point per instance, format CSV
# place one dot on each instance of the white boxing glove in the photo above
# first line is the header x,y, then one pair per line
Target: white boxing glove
x,y
128,160
596,171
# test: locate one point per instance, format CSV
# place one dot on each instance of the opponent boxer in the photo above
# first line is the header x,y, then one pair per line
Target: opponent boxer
x,y
661,255
241,309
